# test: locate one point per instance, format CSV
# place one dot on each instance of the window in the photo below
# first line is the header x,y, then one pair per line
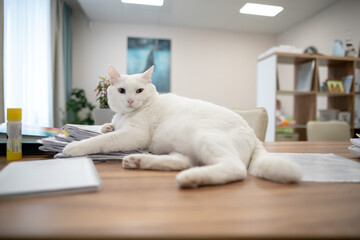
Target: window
x,y
27,60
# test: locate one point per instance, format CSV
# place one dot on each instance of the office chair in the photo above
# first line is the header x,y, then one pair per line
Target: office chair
x,y
328,131
257,118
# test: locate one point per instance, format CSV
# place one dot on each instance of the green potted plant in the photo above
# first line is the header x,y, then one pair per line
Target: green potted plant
x,y
79,109
103,114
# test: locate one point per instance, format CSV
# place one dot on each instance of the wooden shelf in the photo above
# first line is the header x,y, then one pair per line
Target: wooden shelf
x,y
288,92
335,60
304,103
335,94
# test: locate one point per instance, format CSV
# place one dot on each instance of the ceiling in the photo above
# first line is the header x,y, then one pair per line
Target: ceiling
x,y
205,14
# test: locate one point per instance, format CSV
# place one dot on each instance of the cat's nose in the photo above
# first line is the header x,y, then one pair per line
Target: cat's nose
x,y
130,101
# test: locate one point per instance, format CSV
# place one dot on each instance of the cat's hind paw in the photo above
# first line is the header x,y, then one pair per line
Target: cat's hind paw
x,y
131,161
187,180
107,127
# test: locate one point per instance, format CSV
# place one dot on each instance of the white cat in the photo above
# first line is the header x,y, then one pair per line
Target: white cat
x,y
211,144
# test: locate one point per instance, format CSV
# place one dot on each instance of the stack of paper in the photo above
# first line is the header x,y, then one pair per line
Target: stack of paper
x,y
111,156
74,132
52,144
81,132
71,132
355,148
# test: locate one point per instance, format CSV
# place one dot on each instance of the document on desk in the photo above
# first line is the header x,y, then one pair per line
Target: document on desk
x,y
75,132
329,167
52,176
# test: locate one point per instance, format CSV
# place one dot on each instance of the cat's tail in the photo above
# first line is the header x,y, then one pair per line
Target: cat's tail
x,y
273,168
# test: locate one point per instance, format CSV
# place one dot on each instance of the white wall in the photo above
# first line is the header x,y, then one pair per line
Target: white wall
x,y
211,65
323,28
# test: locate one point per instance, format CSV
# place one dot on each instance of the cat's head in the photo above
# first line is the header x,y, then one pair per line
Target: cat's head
x,y
127,93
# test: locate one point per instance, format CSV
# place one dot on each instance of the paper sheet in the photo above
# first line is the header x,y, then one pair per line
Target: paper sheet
x,y
325,167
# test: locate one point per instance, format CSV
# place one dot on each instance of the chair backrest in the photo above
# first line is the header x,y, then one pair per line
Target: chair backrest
x,y
328,131
257,119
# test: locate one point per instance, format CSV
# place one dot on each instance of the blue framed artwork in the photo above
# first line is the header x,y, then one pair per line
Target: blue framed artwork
x,y
145,52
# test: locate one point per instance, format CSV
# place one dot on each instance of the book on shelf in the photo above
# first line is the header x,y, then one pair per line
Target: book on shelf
x,y
347,81
305,76
357,81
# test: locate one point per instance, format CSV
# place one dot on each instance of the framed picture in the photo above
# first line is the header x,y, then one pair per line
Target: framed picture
x,y
142,53
345,116
335,86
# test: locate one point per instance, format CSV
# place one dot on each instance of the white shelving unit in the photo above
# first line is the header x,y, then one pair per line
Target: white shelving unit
x,y
306,104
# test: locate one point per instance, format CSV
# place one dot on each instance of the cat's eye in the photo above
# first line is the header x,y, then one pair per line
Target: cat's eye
x,y
139,90
122,90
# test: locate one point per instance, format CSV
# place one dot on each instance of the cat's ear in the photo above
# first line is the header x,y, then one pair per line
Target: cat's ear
x,y
148,73
113,75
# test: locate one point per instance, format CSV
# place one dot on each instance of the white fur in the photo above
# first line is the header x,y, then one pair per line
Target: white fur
x,y
211,144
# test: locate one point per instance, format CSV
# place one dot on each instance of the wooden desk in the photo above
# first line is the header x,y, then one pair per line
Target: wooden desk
x,y
148,204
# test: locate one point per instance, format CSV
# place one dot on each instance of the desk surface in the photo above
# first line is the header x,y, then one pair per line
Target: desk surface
x,y
148,204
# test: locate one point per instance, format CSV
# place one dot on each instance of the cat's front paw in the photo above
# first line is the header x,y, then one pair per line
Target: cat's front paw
x,y
75,149
131,161
107,127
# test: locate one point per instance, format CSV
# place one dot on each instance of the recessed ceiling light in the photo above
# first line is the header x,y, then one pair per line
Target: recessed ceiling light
x,y
145,2
261,9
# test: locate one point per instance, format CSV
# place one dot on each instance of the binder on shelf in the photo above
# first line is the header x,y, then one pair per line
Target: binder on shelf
x,y
347,80
305,76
